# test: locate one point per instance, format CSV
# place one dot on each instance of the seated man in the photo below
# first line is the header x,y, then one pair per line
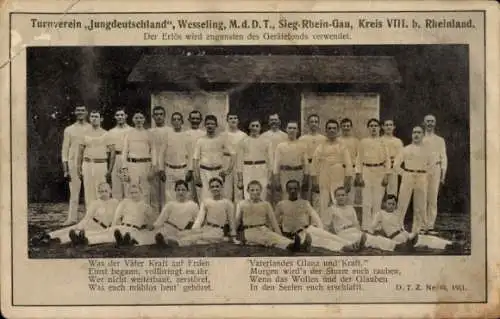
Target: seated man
x,y
388,221
297,217
256,215
345,224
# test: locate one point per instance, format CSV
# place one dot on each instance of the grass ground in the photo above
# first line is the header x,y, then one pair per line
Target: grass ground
x,y
48,217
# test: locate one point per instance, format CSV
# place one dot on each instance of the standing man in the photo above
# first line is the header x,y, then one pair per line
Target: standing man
x,y
254,160
138,152
290,161
159,133
394,145
352,144
92,160
73,137
436,146
331,168
372,168
234,137
194,133
208,157
115,137
311,142
417,162
174,156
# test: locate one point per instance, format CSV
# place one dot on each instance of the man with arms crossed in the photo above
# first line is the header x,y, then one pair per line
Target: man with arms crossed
x,y
73,137
352,144
394,146
234,137
115,137
437,171
208,156
194,133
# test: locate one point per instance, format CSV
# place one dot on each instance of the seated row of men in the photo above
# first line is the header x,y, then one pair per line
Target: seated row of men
x,y
293,225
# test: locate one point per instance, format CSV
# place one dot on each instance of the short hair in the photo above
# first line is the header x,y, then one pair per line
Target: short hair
x,y
330,121
96,111
292,122
141,112
254,182
346,120
120,109
179,114
231,114
211,117
133,185
340,188
81,105
215,179
158,107
312,115
383,122
104,184
291,182
433,116
389,197
180,182
254,120
272,114
371,121
419,126
195,112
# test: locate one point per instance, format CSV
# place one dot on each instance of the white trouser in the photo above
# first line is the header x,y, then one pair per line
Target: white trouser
x,y
200,236
107,235
324,239
432,242
87,225
231,192
93,175
266,237
373,192
206,175
173,174
433,181
139,174
117,183
415,183
353,235
258,172
157,193
75,185
288,175
329,179
392,185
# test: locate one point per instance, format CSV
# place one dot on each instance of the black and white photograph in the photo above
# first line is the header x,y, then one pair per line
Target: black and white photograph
x,y
248,151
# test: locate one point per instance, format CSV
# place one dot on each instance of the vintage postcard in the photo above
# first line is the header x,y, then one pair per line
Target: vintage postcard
x,y
249,159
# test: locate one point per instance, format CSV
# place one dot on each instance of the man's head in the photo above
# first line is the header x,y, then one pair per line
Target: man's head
x,y
293,188
195,119
313,122
95,118
254,189
430,122
254,127
80,112
138,119
177,120
232,121
181,189
215,185
159,115
331,129
292,129
103,191
211,123
274,121
390,203
135,192
340,196
120,116
389,127
346,126
374,127
417,134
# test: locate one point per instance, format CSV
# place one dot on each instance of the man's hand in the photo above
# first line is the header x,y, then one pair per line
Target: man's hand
x,y
108,177
80,174
315,188
239,184
358,181
67,177
441,179
385,180
223,175
162,176
189,176
150,227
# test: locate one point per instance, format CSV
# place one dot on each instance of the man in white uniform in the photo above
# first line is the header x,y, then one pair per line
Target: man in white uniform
x,y
208,156
254,160
174,156
194,133
372,168
115,137
234,137
290,161
352,144
394,145
92,160
416,161
160,134
436,146
138,151
73,137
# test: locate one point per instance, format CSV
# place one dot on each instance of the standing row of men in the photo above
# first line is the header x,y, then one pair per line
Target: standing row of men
x,y
156,158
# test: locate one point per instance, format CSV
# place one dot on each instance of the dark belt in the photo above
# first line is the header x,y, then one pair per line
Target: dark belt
x,y
227,154
100,223
415,170
173,225
253,226
215,168
118,152
310,160
291,168
292,234
95,160
374,165
215,225
254,162
343,165
395,234
176,166
135,226
139,160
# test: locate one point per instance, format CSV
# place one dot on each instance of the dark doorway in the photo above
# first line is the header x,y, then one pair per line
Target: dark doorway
x,y
257,101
